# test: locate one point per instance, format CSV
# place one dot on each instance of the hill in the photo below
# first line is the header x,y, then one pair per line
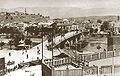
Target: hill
x,y
63,12
93,18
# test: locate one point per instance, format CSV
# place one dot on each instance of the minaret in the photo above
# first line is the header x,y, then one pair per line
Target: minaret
x,y
25,11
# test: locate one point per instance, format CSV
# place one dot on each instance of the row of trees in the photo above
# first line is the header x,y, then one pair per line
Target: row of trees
x,y
14,34
33,30
36,31
16,42
9,30
105,25
12,31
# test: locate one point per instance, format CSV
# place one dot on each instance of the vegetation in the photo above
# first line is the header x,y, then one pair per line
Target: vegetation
x,y
10,43
32,30
105,26
2,44
8,17
99,21
28,41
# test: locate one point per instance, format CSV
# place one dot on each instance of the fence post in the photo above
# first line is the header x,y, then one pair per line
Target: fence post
x,y
98,56
106,54
53,72
67,71
113,53
82,71
113,64
98,71
91,57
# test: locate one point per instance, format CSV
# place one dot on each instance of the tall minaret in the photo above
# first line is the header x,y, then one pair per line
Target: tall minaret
x,y
25,11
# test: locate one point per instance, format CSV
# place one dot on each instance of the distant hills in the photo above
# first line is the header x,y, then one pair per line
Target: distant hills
x,y
65,12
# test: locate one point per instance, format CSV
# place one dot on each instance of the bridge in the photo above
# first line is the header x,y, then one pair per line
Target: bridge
x,y
18,57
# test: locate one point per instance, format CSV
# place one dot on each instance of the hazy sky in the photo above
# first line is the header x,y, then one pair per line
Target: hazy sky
x,y
60,3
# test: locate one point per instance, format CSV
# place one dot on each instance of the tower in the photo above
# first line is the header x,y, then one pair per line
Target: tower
x,y
25,11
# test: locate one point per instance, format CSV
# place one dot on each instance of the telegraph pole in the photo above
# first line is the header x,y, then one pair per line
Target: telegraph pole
x,y
52,43
52,50
83,66
42,49
113,65
42,42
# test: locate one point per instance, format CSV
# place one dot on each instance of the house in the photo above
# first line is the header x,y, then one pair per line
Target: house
x,y
116,26
96,26
75,27
45,24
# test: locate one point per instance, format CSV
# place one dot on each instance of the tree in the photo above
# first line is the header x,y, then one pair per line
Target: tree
x,y
28,41
99,47
11,42
32,30
38,13
91,30
1,30
16,40
2,44
36,30
105,26
99,21
5,29
96,30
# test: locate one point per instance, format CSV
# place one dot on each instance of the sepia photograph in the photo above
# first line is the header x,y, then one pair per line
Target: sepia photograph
x,y
59,38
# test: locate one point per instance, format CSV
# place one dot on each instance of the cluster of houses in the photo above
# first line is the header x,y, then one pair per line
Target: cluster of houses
x,y
22,20
64,24
112,26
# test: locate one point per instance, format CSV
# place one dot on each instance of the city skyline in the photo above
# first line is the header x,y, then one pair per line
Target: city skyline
x,y
86,4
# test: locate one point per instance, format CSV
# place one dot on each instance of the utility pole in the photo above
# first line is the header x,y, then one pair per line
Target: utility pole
x,y
52,51
113,67
83,66
42,42
25,11
42,49
52,43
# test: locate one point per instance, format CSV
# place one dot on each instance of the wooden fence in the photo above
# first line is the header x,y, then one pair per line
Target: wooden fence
x,y
85,58
91,71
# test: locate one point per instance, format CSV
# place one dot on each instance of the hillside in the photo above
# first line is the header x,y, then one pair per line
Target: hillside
x,y
62,12
94,18
7,17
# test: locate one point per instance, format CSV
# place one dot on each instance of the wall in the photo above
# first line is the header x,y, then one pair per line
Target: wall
x,y
46,71
113,43
2,66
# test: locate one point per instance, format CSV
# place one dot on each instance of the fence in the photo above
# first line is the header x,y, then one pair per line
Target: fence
x,y
103,70
91,71
101,55
85,58
67,72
